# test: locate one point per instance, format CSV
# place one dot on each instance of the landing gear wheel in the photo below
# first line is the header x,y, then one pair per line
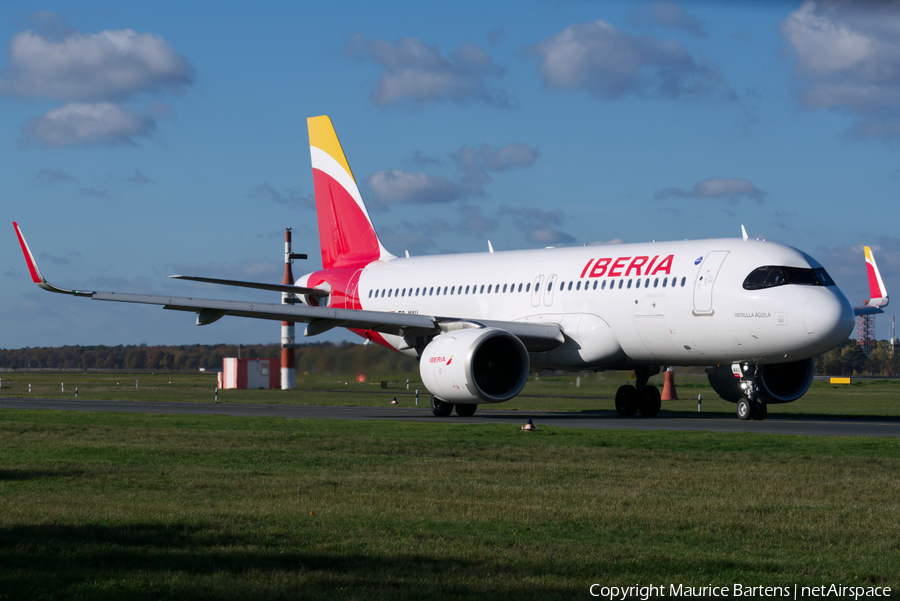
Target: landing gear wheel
x,y
466,410
440,408
649,402
744,409
761,411
626,400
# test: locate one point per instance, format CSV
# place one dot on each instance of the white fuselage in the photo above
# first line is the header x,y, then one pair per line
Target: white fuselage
x,y
662,303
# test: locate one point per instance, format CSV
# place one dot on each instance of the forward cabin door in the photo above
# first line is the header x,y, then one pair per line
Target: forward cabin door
x,y
706,279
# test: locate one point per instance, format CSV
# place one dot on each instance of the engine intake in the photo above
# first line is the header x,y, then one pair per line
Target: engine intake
x,y
475,365
778,383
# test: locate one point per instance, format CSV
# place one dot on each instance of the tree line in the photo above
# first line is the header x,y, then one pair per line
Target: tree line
x,y
848,359
321,357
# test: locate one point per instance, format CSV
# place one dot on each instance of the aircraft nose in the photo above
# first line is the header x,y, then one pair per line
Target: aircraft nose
x,y
829,319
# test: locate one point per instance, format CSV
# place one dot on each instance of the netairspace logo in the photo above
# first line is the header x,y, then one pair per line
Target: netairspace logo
x,y
837,591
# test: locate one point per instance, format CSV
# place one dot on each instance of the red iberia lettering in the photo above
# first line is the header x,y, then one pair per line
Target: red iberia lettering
x,y
638,266
616,269
664,266
635,265
599,268
583,271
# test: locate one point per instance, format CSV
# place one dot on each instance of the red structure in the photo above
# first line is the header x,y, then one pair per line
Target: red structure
x,y
865,332
250,373
288,365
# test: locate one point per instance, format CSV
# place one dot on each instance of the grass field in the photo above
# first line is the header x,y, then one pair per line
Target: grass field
x,y
554,393
119,506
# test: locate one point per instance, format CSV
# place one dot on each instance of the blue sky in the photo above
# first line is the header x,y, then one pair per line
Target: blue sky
x,y
143,140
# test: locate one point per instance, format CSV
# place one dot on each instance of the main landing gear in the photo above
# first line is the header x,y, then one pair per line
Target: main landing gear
x,y
644,397
443,409
752,405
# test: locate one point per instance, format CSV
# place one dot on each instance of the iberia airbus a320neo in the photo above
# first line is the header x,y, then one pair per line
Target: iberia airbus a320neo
x,y
754,312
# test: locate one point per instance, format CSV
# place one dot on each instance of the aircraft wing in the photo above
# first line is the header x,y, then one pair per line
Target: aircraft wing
x,y
290,289
866,310
536,337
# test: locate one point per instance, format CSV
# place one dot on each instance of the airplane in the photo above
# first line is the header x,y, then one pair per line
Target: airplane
x,y
878,293
754,312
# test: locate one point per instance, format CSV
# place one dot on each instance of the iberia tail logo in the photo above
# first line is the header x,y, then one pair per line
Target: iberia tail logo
x,y
346,233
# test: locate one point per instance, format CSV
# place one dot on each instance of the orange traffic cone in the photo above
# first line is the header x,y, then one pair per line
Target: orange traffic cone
x,y
668,392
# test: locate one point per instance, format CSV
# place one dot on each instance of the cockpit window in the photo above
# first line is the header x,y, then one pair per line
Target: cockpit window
x,y
776,275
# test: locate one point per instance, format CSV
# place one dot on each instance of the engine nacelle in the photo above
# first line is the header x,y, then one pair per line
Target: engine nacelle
x,y
778,383
475,365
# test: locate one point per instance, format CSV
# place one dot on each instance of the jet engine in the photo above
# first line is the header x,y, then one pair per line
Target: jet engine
x,y
778,383
475,365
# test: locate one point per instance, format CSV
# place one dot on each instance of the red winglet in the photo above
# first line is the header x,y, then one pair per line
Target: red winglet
x,y
36,276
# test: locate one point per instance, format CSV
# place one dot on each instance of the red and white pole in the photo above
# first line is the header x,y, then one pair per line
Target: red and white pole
x,y
288,364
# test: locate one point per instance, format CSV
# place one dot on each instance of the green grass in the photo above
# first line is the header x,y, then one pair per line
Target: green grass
x,y
553,393
121,506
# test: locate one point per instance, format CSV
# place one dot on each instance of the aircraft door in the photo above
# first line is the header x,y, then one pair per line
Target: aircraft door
x,y
536,292
548,292
706,279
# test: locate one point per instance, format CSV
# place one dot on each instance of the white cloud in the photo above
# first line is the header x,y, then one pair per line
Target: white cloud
x,y
54,175
474,165
110,66
87,125
94,73
669,15
535,223
848,59
730,187
393,186
415,73
610,63
291,197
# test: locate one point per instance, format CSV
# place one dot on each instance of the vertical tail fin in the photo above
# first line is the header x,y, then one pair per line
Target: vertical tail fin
x,y
877,291
346,234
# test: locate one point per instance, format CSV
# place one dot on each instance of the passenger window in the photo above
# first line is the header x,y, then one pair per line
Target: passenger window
x,y
620,284
370,294
683,280
603,285
504,287
647,283
453,290
482,289
629,282
665,282
417,291
389,292
570,286
578,286
489,288
637,284
595,284
549,287
404,292
467,289
431,291
445,290
656,282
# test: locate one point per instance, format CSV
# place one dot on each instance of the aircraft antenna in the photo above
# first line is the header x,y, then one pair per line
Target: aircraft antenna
x,y
744,232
